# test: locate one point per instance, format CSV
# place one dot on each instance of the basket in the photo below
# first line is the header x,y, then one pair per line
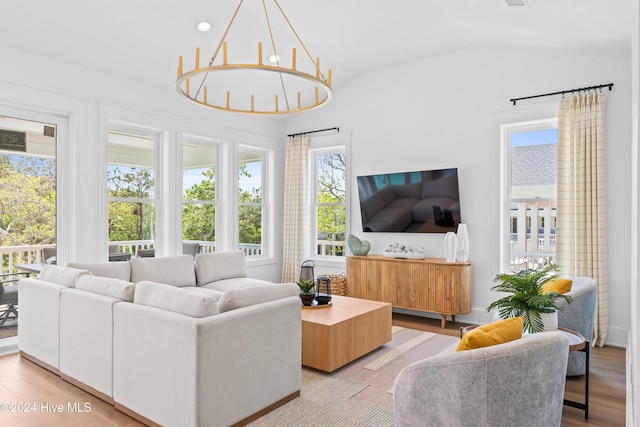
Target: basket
x,y
338,284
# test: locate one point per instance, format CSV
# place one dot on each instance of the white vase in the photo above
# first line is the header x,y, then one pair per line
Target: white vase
x,y
550,321
463,243
450,246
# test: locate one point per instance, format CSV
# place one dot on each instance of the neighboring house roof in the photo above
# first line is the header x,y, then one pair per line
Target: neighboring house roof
x,y
534,165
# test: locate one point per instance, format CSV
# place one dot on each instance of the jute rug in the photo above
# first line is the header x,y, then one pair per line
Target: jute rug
x,y
361,393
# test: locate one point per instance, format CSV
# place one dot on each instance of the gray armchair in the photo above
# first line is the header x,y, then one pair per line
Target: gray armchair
x,y
579,316
517,383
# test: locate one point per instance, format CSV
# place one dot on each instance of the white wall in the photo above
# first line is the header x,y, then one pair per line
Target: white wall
x,y
87,101
445,112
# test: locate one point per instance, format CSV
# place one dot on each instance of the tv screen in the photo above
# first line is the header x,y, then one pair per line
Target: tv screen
x,y
410,202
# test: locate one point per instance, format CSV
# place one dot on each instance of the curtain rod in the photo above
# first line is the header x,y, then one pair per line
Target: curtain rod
x,y
337,129
562,92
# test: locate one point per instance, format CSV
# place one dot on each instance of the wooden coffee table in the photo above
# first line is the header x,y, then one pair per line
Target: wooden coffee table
x,y
346,330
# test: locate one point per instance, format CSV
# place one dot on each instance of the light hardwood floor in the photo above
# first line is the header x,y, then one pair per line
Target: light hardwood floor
x,y
42,392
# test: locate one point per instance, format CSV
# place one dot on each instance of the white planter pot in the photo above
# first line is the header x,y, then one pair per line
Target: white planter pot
x,y
550,321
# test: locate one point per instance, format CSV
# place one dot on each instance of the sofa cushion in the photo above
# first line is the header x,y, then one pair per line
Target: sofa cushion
x,y
371,206
237,283
204,291
172,270
238,298
116,270
559,286
108,286
174,299
65,276
219,266
499,332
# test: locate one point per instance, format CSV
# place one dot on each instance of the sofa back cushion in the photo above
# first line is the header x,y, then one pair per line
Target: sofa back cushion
x,y
65,276
174,299
107,286
172,270
115,270
219,266
371,206
238,298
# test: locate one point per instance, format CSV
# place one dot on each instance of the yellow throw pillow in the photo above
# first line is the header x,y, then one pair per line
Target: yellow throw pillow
x,y
560,286
499,332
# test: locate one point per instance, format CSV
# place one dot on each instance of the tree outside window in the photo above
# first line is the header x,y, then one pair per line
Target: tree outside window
x,y
131,189
199,195
330,194
251,202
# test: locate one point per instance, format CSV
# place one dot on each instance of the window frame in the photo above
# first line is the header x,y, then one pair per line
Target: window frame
x,y
218,178
316,150
156,200
266,187
507,130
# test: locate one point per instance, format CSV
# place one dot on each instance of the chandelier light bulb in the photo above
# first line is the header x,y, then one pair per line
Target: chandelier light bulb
x,y
203,26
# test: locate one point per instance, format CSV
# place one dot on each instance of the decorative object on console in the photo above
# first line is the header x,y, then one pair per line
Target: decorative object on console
x,y
450,246
323,290
357,246
463,243
527,298
400,250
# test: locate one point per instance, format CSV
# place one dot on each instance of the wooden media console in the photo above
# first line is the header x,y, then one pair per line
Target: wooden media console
x,y
429,284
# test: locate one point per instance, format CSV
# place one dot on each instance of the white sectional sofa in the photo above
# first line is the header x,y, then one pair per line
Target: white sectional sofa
x,y
167,340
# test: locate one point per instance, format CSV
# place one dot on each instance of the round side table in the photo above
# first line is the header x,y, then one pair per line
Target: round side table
x,y
579,343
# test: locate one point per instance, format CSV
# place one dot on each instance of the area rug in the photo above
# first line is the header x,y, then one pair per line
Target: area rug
x,y
361,393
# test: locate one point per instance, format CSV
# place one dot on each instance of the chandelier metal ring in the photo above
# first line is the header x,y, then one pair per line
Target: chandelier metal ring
x,y
183,89
323,92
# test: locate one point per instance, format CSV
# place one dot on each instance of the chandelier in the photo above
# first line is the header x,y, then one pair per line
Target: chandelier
x,y
256,88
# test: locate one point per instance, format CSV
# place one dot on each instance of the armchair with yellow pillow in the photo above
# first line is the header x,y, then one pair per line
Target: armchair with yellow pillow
x,y
579,317
519,381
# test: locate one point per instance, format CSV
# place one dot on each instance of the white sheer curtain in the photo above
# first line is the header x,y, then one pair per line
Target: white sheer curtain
x,y
581,246
296,208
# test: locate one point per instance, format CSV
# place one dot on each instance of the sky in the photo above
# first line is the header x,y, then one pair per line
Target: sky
x,y
540,137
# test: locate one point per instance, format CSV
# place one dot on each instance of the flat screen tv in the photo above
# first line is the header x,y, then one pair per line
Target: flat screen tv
x,y
410,202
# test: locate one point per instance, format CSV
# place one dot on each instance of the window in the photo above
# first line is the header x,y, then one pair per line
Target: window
x,y
29,181
251,201
131,188
530,184
329,211
199,195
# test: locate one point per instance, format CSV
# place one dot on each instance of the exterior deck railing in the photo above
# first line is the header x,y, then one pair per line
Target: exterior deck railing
x,y
30,254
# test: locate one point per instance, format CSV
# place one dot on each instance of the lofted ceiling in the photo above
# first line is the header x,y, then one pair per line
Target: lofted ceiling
x,y
141,40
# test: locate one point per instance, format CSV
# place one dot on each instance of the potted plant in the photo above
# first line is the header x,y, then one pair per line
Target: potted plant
x,y
306,291
526,298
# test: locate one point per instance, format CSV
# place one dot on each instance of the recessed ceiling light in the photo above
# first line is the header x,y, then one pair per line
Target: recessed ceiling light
x,y
517,2
203,26
274,59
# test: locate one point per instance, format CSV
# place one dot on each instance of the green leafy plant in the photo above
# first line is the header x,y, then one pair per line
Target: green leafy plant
x,y
306,286
525,297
